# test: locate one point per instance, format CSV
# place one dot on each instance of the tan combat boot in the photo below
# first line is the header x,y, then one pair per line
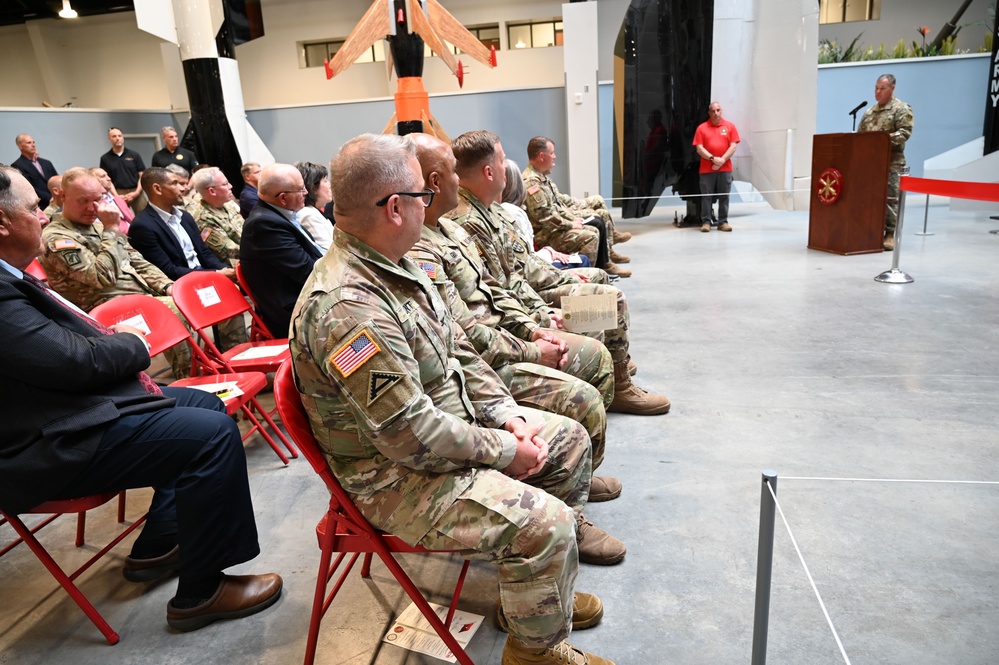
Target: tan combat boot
x,y
563,653
889,243
596,546
604,488
614,269
629,398
587,611
619,258
632,367
621,236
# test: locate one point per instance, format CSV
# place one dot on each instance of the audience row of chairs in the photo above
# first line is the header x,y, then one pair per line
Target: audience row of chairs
x,y
205,299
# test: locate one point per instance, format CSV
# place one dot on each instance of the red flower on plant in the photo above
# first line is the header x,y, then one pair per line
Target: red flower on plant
x,y
923,30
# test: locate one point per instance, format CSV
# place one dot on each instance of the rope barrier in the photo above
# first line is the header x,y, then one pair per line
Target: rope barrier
x,y
697,196
976,191
896,480
808,574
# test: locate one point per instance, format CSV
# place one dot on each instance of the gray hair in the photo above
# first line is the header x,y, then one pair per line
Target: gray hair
x,y
367,168
7,199
887,77
204,178
166,129
514,190
178,170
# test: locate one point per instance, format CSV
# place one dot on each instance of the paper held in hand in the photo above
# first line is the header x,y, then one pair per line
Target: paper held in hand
x,y
590,313
412,631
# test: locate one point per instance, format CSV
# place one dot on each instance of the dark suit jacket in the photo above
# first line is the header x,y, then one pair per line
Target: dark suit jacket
x,y
156,242
38,181
61,383
276,258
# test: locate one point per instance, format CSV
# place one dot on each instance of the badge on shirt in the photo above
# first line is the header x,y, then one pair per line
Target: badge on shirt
x,y
352,355
72,258
379,382
724,131
429,268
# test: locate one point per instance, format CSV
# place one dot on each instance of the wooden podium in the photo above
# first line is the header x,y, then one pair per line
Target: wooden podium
x,y
849,191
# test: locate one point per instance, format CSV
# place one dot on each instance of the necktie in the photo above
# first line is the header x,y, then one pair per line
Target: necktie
x,y
144,378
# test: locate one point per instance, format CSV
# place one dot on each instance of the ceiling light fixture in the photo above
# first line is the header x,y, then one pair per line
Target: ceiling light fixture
x,y
67,11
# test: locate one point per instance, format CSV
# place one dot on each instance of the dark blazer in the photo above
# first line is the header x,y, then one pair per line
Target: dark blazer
x,y
156,242
276,258
61,383
38,181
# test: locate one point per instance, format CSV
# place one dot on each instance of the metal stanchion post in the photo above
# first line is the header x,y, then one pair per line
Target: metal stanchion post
x,y
926,217
764,567
896,276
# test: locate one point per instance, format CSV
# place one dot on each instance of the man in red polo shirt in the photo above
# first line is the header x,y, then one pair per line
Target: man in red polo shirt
x,y
715,141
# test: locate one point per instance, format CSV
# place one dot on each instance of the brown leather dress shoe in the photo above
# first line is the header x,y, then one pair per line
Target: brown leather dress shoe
x,y
153,569
238,596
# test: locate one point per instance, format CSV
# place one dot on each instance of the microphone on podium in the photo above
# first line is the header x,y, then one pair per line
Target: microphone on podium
x,y
853,113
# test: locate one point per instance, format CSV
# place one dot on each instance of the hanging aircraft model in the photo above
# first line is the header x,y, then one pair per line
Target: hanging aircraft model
x,y
407,25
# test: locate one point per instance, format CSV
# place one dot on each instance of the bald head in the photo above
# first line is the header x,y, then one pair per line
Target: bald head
x,y
281,185
55,189
439,172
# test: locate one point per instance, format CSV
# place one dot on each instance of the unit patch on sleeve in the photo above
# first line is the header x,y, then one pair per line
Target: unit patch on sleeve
x,y
352,355
379,382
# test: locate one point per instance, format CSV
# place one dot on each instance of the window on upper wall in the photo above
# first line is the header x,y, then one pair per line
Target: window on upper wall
x,y
536,34
487,34
842,11
312,54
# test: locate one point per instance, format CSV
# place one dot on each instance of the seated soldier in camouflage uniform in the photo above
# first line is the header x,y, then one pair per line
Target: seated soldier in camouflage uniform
x,y
414,423
556,220
529,369
88,259
482,173
217,215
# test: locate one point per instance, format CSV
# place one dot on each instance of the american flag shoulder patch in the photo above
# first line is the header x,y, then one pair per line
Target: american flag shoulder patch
x,y
429,268
205,232
357,351
531,191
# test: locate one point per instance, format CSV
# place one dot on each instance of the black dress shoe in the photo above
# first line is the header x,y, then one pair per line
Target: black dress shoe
x,y
237,596
153,569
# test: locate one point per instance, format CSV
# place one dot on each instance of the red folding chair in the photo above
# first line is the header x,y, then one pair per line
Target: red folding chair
x,y
166,330
343,529
259,331
206,298
56,508
36,270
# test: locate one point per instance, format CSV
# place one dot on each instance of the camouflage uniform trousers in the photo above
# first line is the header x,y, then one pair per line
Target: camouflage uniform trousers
x,y
536,555
588,359
550,390
615,340
573,241
891,204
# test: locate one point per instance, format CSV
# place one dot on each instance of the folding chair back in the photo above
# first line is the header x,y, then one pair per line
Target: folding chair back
x,y
54,509
206,297
258,329
163,330
36,270
344,529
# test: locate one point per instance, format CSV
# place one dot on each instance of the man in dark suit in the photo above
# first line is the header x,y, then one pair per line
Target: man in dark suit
x,y
167,236
80,416
35,169
276,254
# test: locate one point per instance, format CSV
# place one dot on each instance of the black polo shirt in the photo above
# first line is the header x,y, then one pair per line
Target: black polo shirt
x,y
181,157
124,170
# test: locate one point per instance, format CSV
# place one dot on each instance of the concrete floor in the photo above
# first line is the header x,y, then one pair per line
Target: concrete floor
x,y
775,356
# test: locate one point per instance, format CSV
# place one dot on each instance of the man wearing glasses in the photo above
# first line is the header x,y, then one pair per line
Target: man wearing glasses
x,y
276,254
417,427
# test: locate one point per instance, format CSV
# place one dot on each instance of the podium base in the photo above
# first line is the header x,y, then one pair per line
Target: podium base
x,y
893,276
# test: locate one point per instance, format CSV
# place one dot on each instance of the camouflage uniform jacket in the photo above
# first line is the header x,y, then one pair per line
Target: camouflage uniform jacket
x,y
489,302
221,228
89,266
440,257
545,209
895,117
498,246
400,403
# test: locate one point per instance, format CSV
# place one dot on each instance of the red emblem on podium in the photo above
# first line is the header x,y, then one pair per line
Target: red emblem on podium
x,y
830,186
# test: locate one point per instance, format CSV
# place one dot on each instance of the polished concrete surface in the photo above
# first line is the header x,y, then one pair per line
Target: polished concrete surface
x,y
775,357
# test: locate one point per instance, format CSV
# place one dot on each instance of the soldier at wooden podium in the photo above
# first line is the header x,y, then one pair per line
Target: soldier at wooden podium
x,y
894,116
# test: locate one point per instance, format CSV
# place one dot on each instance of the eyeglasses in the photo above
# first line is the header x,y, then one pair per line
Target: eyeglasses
x,y
295,191
427,195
